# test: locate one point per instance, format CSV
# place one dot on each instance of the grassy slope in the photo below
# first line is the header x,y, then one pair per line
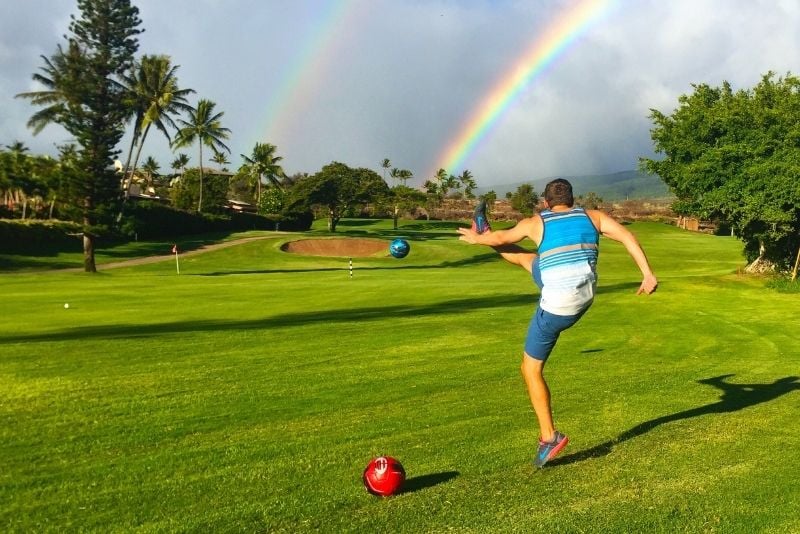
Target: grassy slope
x,y
249,392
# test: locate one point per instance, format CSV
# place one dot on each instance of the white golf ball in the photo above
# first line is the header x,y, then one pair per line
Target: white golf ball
x,y
66,306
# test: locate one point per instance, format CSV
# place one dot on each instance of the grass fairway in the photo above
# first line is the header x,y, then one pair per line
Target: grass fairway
x,y
248,393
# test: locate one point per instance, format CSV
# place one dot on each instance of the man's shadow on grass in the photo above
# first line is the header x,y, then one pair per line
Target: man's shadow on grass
x,y
734,397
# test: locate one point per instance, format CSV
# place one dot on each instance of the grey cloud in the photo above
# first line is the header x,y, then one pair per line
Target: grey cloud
x,y
398,78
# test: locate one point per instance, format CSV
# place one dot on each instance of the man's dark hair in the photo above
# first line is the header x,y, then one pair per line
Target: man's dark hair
x,y
559,192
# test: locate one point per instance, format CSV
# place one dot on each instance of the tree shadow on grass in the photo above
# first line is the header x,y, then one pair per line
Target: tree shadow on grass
x,y
427,481
480,258
10,264
734,397
329,316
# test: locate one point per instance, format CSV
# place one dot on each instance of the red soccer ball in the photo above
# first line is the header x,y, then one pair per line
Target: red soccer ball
x,y
384,476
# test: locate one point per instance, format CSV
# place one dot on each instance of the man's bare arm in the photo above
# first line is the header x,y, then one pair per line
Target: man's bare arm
x,y
520,231
614,230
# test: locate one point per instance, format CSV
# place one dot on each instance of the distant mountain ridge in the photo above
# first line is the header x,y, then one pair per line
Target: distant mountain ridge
x,y
616,186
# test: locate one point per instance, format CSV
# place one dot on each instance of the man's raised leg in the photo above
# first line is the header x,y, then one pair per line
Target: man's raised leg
x,y
511,253
517,255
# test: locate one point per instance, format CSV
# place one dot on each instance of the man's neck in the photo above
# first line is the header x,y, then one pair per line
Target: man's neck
x,y
560,207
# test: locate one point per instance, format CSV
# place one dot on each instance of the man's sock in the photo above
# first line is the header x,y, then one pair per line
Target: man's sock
x,y
480,223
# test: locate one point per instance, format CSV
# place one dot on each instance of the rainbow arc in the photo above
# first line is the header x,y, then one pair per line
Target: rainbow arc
x,y
543,51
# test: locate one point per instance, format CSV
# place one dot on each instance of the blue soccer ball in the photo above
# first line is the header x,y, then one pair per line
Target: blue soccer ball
x,y
399,248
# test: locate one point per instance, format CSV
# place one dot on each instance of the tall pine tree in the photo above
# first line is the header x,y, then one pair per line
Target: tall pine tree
x,y
84,97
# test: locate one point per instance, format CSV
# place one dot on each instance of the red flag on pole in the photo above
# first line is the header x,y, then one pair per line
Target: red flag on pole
x,y
175,249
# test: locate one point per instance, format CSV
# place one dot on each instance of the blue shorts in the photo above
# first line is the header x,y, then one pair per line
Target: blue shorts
x,y
543,332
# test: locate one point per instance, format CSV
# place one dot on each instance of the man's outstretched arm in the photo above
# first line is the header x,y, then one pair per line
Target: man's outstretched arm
x,y
614,230
498,238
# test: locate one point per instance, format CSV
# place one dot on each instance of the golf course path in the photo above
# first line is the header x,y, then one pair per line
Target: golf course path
x,y
165,257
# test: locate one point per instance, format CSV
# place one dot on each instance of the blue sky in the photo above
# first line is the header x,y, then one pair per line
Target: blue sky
x,y
397,78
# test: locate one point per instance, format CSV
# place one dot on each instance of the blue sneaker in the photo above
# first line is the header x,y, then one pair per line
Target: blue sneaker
x,y
550,449
480,223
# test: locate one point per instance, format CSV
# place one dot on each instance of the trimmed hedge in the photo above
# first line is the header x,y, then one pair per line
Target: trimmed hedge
x,y
32,234
151,220
145,220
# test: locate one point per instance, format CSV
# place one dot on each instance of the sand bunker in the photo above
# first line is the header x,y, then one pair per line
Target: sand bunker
x,y
336,247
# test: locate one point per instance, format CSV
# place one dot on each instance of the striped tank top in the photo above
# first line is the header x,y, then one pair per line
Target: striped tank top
x,y
567,262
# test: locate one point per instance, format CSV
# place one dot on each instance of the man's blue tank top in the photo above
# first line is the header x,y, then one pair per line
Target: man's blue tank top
x,y
567,261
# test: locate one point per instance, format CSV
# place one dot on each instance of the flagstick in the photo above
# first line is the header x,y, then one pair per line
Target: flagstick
x,y
177,264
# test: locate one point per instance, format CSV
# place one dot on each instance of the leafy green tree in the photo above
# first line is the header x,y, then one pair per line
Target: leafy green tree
x,y
6,184
339,189
403,198
240,187
273,200
490,197
263,164
155,97
290,181
84,95
185,193
524,200
733,157
15,172
203,126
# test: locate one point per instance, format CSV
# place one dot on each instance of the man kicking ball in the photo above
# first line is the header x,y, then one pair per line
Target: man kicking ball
x,y
564,268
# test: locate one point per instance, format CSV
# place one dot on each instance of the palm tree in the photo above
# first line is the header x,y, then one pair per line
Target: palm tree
x,y
385,164
204,126
401,175
404,175
468,182
150,168
263,163
57,71
441,179
179,163
220,159
154,93
18,147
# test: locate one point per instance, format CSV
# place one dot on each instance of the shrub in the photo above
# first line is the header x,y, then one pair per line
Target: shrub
x,y
152,220
23,236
